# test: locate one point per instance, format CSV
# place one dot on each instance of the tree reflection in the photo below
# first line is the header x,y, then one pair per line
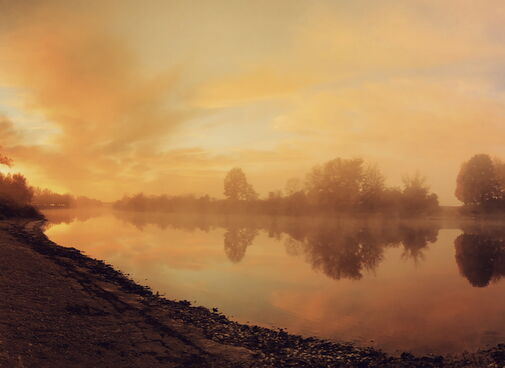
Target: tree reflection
x,y
415,239
481,256
342,249
343,255
236,241
186,222
67,216
347,250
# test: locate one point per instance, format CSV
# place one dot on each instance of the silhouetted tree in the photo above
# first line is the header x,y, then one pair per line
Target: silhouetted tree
x,y
336,184
346,185
477,184
372,189
16,188
499,170
15,194
236,186
416,197
339,185
44,198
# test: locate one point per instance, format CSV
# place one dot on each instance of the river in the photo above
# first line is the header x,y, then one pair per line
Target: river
x,y
424,287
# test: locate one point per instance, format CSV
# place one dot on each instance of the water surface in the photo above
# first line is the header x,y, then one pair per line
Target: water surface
x,y
397,285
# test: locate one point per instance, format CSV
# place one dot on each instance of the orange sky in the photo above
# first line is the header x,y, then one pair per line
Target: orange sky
x,y
103,98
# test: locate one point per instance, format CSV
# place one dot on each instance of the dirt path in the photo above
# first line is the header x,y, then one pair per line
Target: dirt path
x,y
59,308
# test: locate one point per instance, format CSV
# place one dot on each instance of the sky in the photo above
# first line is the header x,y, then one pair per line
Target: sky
x,y
106,98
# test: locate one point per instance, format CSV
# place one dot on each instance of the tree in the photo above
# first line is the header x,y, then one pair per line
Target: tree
x,y
499,170
372,189
13,187
477,184
416,197
236,186
19,190
336,185
293,185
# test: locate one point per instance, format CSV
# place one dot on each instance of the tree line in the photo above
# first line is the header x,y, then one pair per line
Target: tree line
x,y
343,186
337,186
15,194
19,199
44,198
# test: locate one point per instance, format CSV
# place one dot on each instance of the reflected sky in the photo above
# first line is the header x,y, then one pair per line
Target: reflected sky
x,y
415,286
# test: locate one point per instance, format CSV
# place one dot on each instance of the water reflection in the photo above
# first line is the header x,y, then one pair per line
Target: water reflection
x,y
480,256
236,241
412,293
348,249
65,216
341,248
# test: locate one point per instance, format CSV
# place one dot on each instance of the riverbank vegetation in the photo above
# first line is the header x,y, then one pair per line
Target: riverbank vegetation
x,y
45,198
15,195
19,199
337,186
480,185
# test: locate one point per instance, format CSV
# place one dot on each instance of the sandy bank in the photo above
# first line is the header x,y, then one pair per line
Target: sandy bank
x,y
60,308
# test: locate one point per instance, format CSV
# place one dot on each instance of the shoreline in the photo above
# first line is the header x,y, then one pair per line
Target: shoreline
x,y
176,334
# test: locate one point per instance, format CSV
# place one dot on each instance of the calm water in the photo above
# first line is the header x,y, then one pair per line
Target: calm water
x,y
398,286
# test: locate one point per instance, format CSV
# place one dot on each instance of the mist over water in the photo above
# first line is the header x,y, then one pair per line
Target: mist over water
x,y
420,286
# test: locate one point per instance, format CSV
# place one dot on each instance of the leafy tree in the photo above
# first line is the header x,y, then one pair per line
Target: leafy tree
x,y
17,189
13,187
416,197
499,170
477,184
236,186
372,189
336,184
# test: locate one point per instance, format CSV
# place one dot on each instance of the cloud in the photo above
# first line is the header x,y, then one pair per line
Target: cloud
x,y
8,134
76,73
169,96
340,44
